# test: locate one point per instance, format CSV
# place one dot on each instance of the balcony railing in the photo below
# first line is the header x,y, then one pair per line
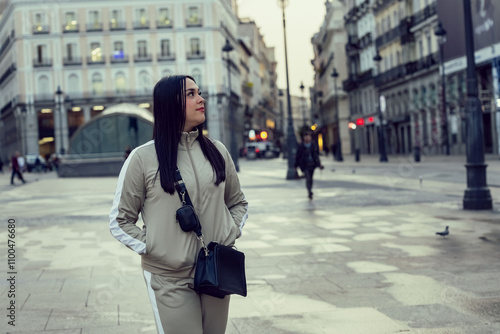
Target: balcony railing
x,y
365,41
164,24
11,69
68,61
141,25
41,29
407,69
142,57
166,57
388,37
69,28
117,25
96,61
44,62
196,55
194,22
96,26
425,13
119,59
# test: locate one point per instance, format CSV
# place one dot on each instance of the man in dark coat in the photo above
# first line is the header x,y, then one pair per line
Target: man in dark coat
x,y
307,158
16,169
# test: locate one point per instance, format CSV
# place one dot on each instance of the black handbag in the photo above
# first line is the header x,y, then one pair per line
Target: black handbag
x,y
220,270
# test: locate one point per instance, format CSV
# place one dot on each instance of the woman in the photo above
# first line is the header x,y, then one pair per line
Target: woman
x,y
307,159
147,185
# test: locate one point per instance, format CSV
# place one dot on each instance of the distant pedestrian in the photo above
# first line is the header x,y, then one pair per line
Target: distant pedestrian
x,y
307,159
16,169
22,163
147,185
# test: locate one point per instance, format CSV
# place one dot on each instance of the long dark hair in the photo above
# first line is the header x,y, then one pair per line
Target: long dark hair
x,y
169,108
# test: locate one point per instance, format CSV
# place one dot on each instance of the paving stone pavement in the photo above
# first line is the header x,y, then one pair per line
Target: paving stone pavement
x,y
361,257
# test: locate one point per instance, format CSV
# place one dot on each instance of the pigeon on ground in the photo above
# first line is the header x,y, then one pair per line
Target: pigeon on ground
x,y
444,233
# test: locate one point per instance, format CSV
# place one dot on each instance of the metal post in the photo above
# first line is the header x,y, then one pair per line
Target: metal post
x,y
477,195
59,138
233,149
291,141
441,32
338,151
381,138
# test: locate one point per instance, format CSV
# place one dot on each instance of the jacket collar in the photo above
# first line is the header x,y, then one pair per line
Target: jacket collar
x,y
188,140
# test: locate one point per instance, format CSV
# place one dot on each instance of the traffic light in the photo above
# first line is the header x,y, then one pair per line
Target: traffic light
x,y
263,135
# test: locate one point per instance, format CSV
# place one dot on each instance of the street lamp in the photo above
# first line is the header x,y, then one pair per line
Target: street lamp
x,y
232,146
477,196
441,33
291,141
338,144
302,103
381,138
59,102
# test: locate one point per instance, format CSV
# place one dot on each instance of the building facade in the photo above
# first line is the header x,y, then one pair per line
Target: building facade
x,y
330,102
62,63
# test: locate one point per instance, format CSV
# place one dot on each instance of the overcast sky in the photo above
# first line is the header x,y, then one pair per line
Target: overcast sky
x,y
303,20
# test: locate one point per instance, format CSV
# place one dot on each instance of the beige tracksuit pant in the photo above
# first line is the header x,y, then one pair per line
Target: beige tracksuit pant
x,y
180,310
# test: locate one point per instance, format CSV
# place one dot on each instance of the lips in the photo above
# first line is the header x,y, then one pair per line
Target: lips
x,y
202,109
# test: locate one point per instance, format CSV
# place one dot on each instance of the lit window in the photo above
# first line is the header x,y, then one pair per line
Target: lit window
x,y
120,83
193,15
97,86
118,50
141,13
96,52
71,23
164,17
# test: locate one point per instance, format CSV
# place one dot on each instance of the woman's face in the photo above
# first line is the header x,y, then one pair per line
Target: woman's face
x,y
195,106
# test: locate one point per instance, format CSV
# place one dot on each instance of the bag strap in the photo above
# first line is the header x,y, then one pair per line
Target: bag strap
x,y
186,200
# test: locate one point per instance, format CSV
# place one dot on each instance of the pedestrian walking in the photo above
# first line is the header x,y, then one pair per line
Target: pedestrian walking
x,y
146,185
16,169
307,159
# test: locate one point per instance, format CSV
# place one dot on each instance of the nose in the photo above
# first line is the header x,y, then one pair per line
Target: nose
x,y
201,99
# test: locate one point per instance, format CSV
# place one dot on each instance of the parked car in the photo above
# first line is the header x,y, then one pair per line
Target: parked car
x,y
262,149
34,165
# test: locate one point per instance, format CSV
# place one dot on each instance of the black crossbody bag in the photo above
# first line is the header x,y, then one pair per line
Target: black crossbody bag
x,y
220,270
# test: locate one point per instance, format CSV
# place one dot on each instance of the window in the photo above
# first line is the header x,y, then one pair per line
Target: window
x,y
40,24
197,76
165,47
43,86
142,49
120,83
73,84
429,45
142,17
95,52
145,82
164,18
97,86
421,49
194,46
70,51
94,20
118,50
194,16
116,19
41,52
71,23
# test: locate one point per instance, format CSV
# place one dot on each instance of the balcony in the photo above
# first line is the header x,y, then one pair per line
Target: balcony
x,y
365,41
43,62
194,22
164,24
422,64
41,29
425,13
352,43
142,58
117,25
166,57
70,27
195,55
143,24
404,30
11,69
96,26
69,61
118,59
388,37
96,60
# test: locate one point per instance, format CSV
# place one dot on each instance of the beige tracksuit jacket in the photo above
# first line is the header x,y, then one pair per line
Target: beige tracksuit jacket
x,y
164,247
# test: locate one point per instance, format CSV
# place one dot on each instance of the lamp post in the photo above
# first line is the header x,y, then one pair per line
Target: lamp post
x,y
477,196
291,141
59,111
381,138
441,33
302,104
232,145
338,151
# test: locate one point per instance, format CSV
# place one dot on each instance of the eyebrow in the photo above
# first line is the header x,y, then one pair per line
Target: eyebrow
x,y
194,90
